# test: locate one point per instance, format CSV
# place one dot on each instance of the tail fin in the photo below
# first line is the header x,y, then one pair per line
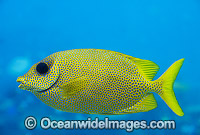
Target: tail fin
x,y
167,93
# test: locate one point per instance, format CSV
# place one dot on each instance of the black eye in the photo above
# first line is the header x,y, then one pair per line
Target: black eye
x,y
42,68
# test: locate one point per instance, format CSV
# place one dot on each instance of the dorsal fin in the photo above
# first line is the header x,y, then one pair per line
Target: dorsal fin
x,y
148,68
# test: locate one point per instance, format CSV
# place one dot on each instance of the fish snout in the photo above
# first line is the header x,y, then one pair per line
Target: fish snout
x,y
21,80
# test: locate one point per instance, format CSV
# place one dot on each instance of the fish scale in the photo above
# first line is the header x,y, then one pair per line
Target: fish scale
x,y
97,81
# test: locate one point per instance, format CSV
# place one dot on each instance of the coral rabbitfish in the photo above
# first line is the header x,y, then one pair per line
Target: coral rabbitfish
x,y
97,81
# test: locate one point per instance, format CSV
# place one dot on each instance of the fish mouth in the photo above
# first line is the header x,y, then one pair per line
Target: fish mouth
x,y
50,86
21,80
23,86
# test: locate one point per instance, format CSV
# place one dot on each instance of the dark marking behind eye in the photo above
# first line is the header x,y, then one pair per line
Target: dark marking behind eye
x,y
42,68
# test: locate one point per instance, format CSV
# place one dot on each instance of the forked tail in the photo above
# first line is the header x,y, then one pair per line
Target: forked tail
x,y
167,92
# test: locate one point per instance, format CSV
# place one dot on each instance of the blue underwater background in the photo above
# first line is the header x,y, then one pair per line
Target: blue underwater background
x,y
161,31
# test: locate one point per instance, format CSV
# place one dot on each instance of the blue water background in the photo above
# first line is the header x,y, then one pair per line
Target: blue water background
x,y
161,31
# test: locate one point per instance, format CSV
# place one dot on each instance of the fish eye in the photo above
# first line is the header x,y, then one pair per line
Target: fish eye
x,y
42,68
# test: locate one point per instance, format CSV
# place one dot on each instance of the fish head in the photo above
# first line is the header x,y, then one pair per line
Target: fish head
x,y
41,76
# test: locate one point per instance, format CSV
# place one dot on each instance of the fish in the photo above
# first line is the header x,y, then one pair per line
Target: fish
x,y
97,81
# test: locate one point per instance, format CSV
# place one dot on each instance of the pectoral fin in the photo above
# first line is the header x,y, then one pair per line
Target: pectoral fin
x,y
147,103
74,87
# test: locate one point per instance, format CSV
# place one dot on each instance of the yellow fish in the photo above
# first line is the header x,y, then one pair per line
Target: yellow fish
x,y
97,81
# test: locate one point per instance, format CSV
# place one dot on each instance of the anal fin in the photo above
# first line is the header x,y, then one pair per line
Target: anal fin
x,y
147,103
